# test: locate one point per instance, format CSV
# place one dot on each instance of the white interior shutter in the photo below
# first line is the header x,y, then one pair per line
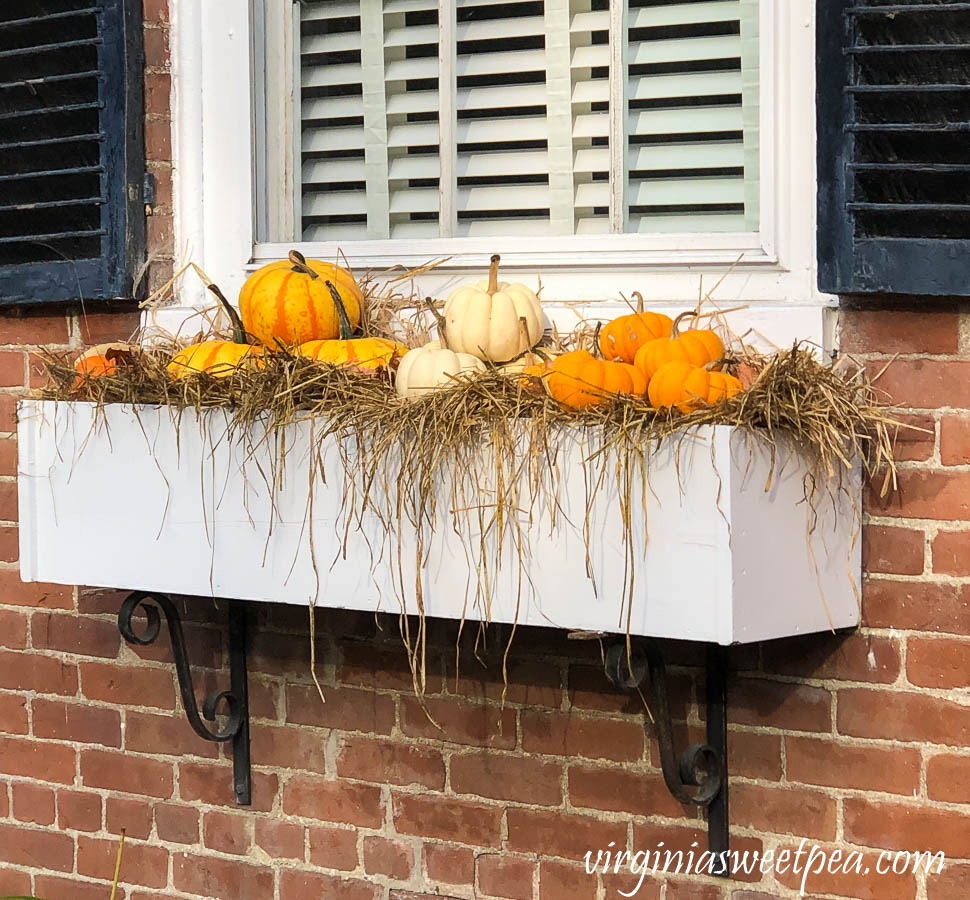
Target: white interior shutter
x,y
692,123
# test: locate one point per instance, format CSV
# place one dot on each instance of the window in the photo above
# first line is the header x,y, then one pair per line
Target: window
x,y
559,117
71,158
336,124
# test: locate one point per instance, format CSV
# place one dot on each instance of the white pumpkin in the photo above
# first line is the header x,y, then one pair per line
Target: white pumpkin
x,y
483,319
432,366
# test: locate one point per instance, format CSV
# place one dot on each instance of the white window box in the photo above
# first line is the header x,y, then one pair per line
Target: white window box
x,y
127,501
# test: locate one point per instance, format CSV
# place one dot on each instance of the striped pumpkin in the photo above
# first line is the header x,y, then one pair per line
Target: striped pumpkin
x,y
363,354
218,358
288,302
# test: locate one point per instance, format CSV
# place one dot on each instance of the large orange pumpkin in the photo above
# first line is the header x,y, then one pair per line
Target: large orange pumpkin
x,y
623,337
288,302
368,354
687,387
699,347
579,379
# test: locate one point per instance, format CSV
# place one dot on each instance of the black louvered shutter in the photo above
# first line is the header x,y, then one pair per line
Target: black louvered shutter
x,y
71,149
894,147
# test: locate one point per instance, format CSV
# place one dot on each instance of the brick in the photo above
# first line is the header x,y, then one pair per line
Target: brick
x,y
867,768
147,732
691,890
177,824
38,848
449,865
220,879
955,440
157,54
155,12
333,848
13,629
676,844
101,327
346,709
792,707
32,803
281,840
938,662
383,856
101,601
127,685
71,633
8,458
836,657
478,725
529,683
333,801
378,670
951,553
13,714
14,883
78,810
924,383
212,783
589,688
158,89
34,672
900,826
8,512
160,233
952,883
62,721
141,863
390,762
783,810
559,881
948,778
899,331
9,543
505,876
203,646
903,716
158,140
925,494
33,326
916,606
226,832
13,368
14,592
846,875
447,819
552,833
124,772
287,747
507,777
134,816
54,886
752,755
8,410
308,886
622,790
37,759
570,735
894,551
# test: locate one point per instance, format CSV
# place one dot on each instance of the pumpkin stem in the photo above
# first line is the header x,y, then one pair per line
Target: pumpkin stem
x,y
639,298
239,335
442,322
300,264
524,332
493,274
675,331
346,330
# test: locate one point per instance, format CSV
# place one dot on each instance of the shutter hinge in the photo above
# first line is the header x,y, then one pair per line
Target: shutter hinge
x,y
148,193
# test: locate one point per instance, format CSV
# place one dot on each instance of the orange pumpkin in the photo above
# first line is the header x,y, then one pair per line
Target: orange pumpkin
x,y
288,302
687,387
364,354
103,359
579,379
623,337
699,347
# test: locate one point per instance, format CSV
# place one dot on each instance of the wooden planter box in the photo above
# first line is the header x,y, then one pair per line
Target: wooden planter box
x,y
127,500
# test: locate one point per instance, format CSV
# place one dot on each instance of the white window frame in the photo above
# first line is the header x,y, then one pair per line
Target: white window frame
x,y
216,104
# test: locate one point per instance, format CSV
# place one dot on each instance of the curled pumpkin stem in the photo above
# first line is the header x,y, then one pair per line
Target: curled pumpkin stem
x,y
639,298
440,319
675,329
493,274
300,264
239,335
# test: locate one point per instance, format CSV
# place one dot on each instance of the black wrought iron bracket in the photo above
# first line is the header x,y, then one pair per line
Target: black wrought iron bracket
x,y
235,700
699,775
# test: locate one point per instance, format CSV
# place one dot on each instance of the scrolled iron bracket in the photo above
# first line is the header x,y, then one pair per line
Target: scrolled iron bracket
x,y
235,701
699,775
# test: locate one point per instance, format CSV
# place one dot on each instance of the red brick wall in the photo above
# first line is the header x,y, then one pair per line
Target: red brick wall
x,y
854,742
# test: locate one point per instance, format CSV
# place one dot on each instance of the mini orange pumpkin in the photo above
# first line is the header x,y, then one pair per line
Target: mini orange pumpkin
x,y
623,337
687,387
364,354
579,379
698,347
103,359
288,302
